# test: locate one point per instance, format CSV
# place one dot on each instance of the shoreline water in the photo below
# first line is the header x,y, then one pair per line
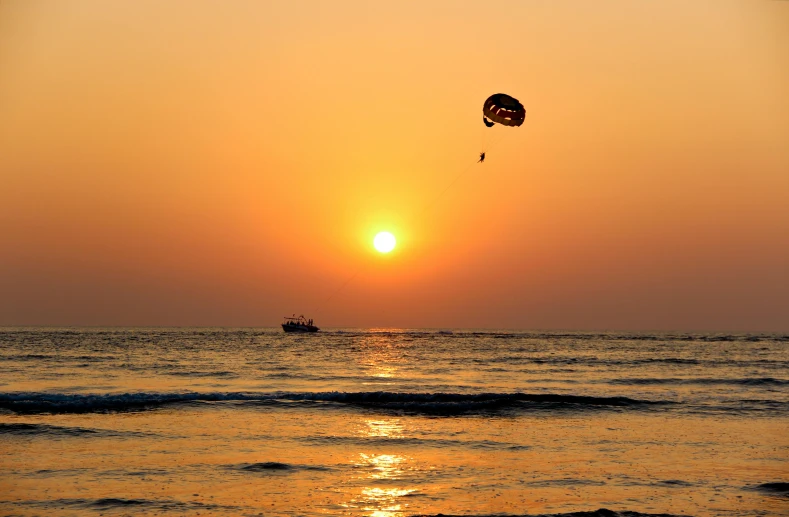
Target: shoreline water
x,y
415,422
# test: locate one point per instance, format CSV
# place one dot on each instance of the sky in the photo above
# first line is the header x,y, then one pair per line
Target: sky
x,y
229,163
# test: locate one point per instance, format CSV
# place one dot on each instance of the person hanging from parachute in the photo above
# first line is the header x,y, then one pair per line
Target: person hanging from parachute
x,y
502,109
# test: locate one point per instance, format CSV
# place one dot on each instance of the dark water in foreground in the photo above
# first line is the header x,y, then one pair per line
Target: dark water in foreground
x,y
392,422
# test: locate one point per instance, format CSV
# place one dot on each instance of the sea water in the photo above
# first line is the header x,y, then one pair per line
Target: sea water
x,y
389,422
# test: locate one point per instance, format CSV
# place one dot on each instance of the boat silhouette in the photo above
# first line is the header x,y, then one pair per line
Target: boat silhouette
x,y
300,324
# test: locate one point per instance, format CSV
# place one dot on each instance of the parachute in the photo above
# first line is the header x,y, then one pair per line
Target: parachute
x,y
503,109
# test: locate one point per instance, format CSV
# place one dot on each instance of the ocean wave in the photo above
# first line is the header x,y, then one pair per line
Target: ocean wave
x,y
55,473
663,360
275,466
580,336
116,503
51,431
267,465
776,488
674,483
50,336
602,512
196,373
580,362
402,441
741,407
762,381
549,483
57,357
433,403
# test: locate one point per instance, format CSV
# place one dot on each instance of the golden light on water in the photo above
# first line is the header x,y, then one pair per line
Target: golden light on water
x,y
385,466
379,357
382,469
384,242
383,501
387,428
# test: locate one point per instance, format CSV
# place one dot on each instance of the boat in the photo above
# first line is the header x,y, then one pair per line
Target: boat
x,y
300,324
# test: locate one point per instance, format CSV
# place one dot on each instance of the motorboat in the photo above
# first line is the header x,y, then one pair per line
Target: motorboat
x,y
298,324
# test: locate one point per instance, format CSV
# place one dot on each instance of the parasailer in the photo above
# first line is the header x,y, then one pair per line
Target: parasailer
x,y
501,109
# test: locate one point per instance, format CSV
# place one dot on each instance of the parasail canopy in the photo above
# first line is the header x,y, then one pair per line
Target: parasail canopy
x,y
503,109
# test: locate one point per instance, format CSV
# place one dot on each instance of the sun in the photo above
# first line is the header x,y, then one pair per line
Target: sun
x,y
384,242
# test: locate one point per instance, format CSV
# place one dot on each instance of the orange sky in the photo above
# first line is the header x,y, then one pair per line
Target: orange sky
x,y
228,163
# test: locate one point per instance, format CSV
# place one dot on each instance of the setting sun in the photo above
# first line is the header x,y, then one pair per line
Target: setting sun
x,y
384,242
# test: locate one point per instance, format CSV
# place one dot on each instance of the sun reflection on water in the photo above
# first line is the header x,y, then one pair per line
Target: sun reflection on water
x,y
382,502
384,466
381,356
381,475
383,371
386,428
376,468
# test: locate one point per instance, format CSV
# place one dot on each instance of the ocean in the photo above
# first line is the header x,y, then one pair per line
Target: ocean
x,y
392,422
